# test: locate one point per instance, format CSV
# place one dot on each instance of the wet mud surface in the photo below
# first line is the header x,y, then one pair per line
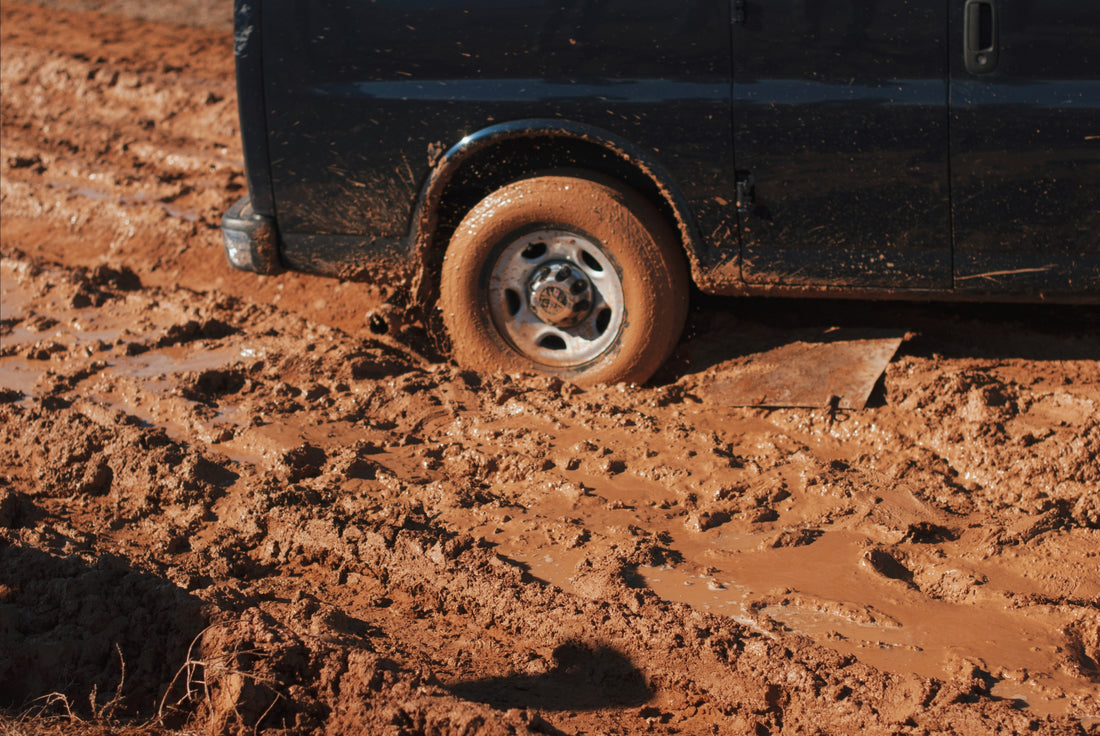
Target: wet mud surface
x,y
227,506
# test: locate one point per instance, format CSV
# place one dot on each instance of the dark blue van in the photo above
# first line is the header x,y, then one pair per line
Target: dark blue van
x,y
553,175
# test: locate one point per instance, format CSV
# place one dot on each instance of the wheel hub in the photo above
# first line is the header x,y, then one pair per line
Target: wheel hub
x,y
559,294
555,296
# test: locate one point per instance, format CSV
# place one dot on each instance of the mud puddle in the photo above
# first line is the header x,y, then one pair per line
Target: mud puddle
x,y
838,588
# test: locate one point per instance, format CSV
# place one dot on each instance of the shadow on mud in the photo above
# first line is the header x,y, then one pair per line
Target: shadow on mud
x,y
98,639
725,329
583,678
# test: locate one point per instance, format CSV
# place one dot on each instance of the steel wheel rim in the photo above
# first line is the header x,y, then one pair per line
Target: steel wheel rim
x,y
510,282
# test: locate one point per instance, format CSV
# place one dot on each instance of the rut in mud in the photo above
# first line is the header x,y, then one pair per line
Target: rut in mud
x,y
226,505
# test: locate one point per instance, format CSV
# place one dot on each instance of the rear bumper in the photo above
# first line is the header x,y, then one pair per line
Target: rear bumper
x,y
251,242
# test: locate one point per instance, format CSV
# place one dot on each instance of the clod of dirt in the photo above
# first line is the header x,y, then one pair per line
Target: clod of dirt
x,y
1086,511
27,162
887,565
1083,645
303,461
702,520
212,383
793,538
10,395
181,334
122,278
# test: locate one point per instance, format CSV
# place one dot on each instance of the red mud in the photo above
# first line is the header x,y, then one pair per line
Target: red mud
x,y
227,507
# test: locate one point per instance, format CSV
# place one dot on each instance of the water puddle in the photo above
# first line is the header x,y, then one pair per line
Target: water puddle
x,y
99,195
155,367
16,374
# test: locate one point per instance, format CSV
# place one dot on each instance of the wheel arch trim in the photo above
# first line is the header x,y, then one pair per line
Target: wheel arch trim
x,y
425,221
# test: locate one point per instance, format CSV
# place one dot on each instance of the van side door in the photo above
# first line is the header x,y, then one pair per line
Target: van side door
x,y
840,143
1025,146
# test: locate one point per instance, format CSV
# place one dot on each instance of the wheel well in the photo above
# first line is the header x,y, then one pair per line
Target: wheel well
x,y
510,160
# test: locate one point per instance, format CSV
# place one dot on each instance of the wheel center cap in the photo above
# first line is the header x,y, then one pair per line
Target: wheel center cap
x,y
559,294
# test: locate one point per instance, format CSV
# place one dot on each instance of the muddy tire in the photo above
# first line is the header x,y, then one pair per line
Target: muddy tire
x,y
568,276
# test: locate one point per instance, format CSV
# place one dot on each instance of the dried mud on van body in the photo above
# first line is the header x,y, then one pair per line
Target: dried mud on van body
x,y
226,506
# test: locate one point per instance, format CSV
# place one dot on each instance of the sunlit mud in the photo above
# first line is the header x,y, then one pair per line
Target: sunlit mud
x,y
228,506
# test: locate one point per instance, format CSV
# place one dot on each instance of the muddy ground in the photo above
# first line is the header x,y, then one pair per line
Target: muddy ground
x,y
227,506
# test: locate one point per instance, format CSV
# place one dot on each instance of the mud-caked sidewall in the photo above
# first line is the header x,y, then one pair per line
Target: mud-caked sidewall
x,y
631,233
